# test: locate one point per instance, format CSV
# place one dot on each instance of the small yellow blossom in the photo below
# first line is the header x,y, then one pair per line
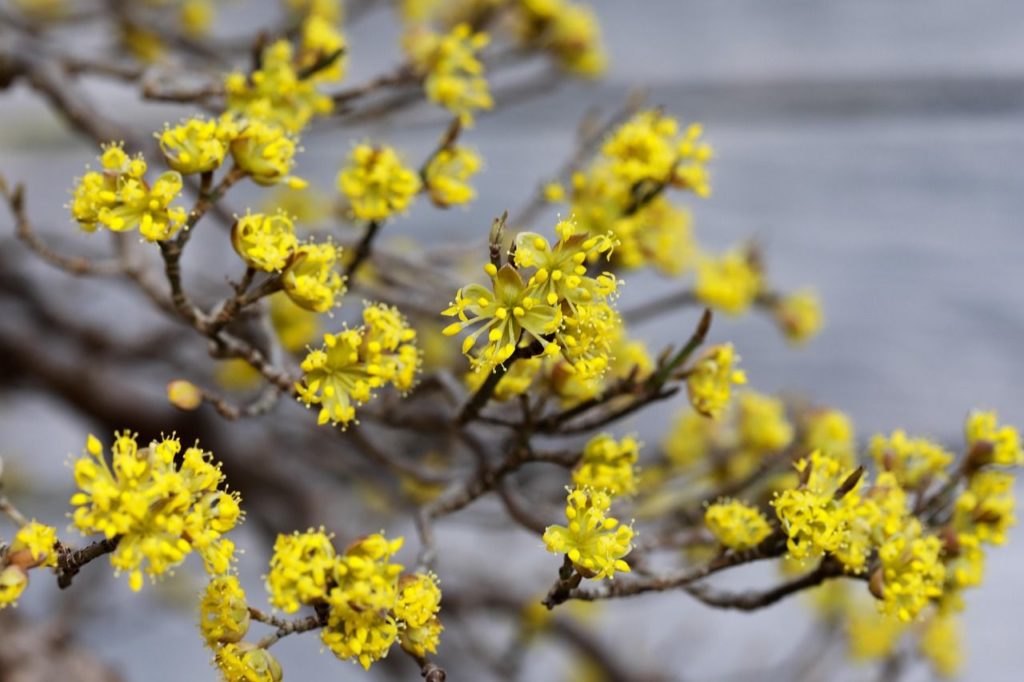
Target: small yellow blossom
x,y
38,541
594,542
295,326
690,439
300,569
265,242
13,581
197,17
730,283
941,644
568,30
223,611
1004,441
160,506
311,279
871,635
454,74
985,508
516,381
447,176
419,599
184,395
736,525
376,183
320,41
265,152
799,315
762,423
195,146
711,379
912,573
245,662
914,460
608,464
353,363
831,431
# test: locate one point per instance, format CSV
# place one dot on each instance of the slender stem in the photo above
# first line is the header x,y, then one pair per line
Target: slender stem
x,y
362,250
69,562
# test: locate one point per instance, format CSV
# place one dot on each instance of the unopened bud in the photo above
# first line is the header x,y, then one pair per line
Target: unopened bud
x,y
876,584
184,395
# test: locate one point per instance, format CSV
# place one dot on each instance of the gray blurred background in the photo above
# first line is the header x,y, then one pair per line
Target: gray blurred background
x,y
873,147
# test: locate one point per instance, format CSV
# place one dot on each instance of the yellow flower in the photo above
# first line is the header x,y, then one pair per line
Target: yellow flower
x,y
40,543
690,439
246,663
419,599
265,152
569,31
516,381
941,645
911,571
762,422
376,183
711,379
197,17
643,148
454,75
353,363
608,465
296,327
983,430
985,508
300,569
736,525
594,542
422,639
799,315
195,146
223,611
320,40
13,581
831,431
448,173
872,635
914,461
730,283
161,510
310,279
265,242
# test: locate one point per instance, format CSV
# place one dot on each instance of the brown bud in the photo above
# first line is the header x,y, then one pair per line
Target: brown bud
x,y
876,584
850,483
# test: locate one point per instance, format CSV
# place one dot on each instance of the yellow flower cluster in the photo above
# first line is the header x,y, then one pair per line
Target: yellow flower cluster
x,y
762,423
608,464
560,306
195,146
265,242
730,283
911,570
914,461
711,379
321,41
594,542
690,438
985,508
831,431
376,183
276,93
1000,444
223,612
568,30
371,605
311,279
736,525
353,363
447,176
34,546
246,662
119,198
799,315
621,193
161,504
453,73
295,326
264,151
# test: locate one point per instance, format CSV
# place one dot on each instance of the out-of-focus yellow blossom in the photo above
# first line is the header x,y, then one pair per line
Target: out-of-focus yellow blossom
x,y
223,611
454,75
321,40
42,10
353,363
311,279
145,45
160,506
812,518
660,234
711,379
643,148
265,152
448,173
184,395
509,311
331,10
608,464
119,198
691,172
594,542
275,92
912,573
985,508
831,431
195,146
690,438
13,581
295,327
965,561
236,374
265,242
568,30
423,639
762,423
376,183
913,460
38,543
871,635
941,644
309,206
982,430
300,569
246,662
730,283
516,381
799,315
736,525
361,625
628,358
196,17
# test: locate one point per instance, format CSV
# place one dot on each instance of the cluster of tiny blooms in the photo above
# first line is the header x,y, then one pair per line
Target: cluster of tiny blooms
x,y
595,542
608,464
709,382
913,460
762,423
453,73
376,183
371,605
620,193
120,199
353,363
560,307
799,315
34,546
567,30
447,176
736,525
245,662
311,278
264,242
729,283
264,151
159,503
993,444
196,145
223,622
